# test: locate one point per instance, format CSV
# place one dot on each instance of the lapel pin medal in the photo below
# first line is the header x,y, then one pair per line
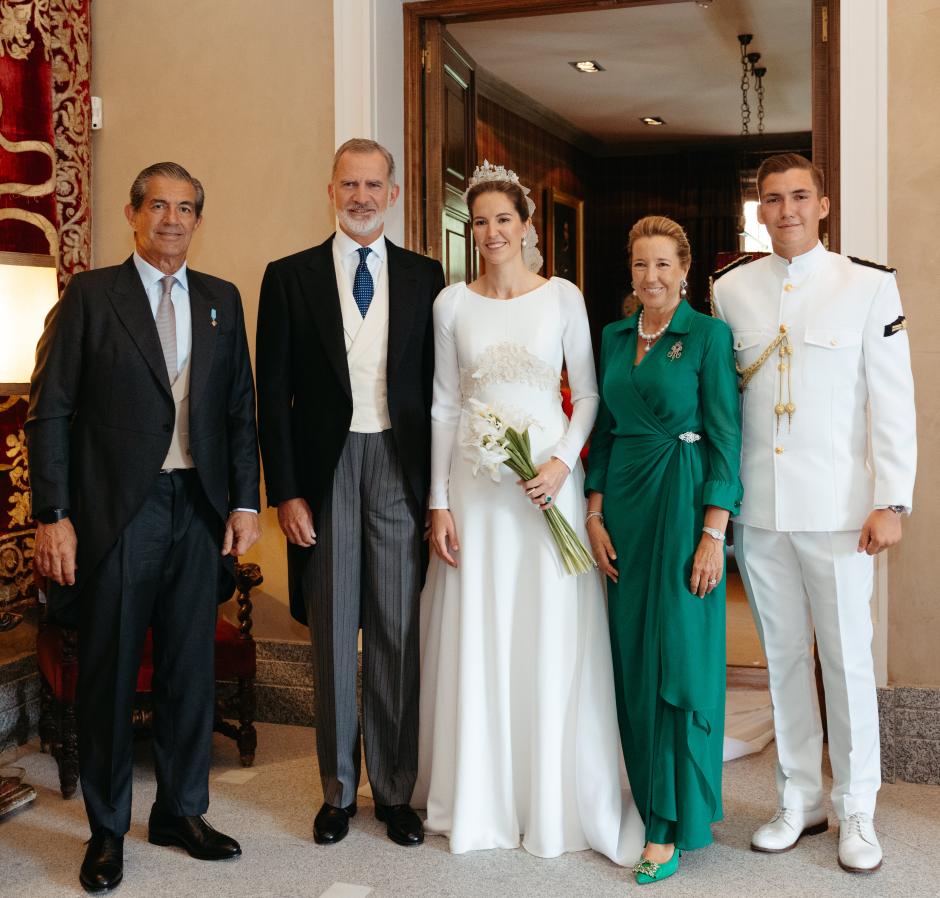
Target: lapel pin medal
x,y
212,316
675,351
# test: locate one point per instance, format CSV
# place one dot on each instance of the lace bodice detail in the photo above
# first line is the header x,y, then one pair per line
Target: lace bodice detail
x,y
510,353
504,363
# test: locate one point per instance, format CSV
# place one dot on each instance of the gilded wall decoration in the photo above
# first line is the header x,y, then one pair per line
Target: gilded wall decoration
x,y
45,187
17,531
45,64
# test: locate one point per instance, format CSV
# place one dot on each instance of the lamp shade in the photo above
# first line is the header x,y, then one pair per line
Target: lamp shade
x,y
28,289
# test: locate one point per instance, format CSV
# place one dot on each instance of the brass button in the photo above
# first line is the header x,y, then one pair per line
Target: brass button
x,y
739,344
783,328
779,450
833,342
787,287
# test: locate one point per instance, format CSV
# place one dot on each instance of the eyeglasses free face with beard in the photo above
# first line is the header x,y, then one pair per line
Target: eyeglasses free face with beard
x,y
361,192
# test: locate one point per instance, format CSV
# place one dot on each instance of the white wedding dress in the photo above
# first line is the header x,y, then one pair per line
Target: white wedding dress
x,y
518,726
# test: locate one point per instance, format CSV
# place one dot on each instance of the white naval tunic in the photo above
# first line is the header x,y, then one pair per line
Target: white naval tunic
x,y
821,471
809,484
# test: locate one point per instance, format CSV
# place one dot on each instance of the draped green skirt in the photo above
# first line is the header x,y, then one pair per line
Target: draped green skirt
x,y
668,644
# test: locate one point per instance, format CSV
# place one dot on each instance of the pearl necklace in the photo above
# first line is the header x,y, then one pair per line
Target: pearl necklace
x,y
651,338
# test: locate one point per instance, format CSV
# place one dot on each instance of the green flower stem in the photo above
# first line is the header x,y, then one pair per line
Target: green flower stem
x,y
574,556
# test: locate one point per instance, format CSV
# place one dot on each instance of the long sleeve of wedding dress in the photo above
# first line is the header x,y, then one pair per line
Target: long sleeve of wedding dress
x,y
445,405
579,360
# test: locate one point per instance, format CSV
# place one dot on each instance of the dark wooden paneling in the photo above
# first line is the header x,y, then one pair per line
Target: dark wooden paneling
x,y
541,159
699,190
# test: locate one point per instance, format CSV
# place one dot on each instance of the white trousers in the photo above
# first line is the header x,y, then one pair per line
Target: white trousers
x,y
798,582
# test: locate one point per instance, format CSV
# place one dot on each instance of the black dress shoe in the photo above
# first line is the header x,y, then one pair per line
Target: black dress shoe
x,y
103,867
402,823
193,834
332,823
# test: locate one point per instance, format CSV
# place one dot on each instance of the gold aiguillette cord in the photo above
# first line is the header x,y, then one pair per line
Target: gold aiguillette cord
x,y
785,405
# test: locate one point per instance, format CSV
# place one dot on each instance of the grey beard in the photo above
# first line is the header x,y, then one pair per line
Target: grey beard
x,y
360,226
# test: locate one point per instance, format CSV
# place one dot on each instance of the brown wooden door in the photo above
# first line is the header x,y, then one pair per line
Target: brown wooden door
x,y
826,110
449,144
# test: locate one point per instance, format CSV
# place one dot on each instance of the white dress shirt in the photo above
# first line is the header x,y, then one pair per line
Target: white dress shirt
x,y
349,253
151,277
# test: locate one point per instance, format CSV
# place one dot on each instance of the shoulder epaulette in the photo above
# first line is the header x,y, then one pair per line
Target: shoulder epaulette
x,y
870,264
741,260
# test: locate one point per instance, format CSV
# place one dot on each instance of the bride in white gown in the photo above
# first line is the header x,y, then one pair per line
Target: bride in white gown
x,y
518,727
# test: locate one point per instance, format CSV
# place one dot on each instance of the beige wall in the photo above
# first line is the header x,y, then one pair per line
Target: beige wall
x,y
241,94
914,248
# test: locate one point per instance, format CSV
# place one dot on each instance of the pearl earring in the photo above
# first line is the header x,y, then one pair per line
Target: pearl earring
x,y
524,243
683,289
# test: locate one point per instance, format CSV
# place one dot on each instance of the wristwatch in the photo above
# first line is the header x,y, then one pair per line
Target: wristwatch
x,y
52,515
897,509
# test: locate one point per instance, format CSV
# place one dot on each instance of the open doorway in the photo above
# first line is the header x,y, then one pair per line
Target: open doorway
x,y
490,78
494,79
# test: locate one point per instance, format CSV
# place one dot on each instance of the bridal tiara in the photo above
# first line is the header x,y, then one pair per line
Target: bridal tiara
x,y
499,173
486,172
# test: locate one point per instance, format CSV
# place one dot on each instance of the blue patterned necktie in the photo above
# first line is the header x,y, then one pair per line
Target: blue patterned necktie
x,y
363,288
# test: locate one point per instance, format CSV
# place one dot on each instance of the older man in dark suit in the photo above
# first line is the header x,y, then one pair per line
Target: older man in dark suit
x,y
144,475
345,364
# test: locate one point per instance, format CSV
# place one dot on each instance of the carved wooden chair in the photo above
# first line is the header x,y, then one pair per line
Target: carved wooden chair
x,y
57,656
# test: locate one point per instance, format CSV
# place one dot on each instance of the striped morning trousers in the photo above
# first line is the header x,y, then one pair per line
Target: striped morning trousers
x,y
365,572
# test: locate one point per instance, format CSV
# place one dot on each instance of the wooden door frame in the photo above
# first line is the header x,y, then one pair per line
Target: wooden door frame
x,y
826,110
825,80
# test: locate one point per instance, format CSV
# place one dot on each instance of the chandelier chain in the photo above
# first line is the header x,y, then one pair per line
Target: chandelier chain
x,y
745,85
760,108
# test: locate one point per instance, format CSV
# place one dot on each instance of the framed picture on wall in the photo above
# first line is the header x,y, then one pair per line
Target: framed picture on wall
x,y
564,239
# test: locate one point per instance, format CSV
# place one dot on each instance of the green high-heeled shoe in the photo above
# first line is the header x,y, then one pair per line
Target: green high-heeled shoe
x,y
649,871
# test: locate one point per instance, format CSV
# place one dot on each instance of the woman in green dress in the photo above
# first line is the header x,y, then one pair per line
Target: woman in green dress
x,y
662,481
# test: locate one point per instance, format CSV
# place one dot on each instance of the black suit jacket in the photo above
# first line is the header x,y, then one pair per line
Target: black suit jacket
x,y
304,395
101,411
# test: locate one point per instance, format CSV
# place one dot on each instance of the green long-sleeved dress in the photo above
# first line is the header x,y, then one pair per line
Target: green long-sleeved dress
x,y
657,478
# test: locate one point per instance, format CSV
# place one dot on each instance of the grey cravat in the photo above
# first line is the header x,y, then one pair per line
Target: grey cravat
x,y
166,327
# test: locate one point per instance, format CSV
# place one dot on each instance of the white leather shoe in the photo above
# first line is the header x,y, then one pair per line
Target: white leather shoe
x,y
787,827
859,848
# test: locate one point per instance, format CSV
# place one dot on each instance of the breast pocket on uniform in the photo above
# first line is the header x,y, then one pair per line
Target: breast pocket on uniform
x,y
833,355
748,345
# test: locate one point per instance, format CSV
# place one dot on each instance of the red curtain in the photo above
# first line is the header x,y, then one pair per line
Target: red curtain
x,y
45,188
45,129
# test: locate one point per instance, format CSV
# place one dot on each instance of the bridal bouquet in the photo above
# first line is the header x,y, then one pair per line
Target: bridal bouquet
x,y
492,442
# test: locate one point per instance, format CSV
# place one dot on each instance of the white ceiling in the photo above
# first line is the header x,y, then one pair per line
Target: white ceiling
x,y
677,60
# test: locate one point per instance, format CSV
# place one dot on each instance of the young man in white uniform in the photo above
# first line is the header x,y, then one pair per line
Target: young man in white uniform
x,y
829,455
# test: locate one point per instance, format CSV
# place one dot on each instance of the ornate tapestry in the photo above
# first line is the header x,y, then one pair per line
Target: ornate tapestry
x,y
45,130
16,528
45,188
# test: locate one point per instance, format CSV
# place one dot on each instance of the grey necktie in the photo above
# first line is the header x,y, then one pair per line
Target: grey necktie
x,y
166,326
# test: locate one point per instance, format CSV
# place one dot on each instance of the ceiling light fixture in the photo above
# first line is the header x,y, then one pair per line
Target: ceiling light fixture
x,y
587,66
654,120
